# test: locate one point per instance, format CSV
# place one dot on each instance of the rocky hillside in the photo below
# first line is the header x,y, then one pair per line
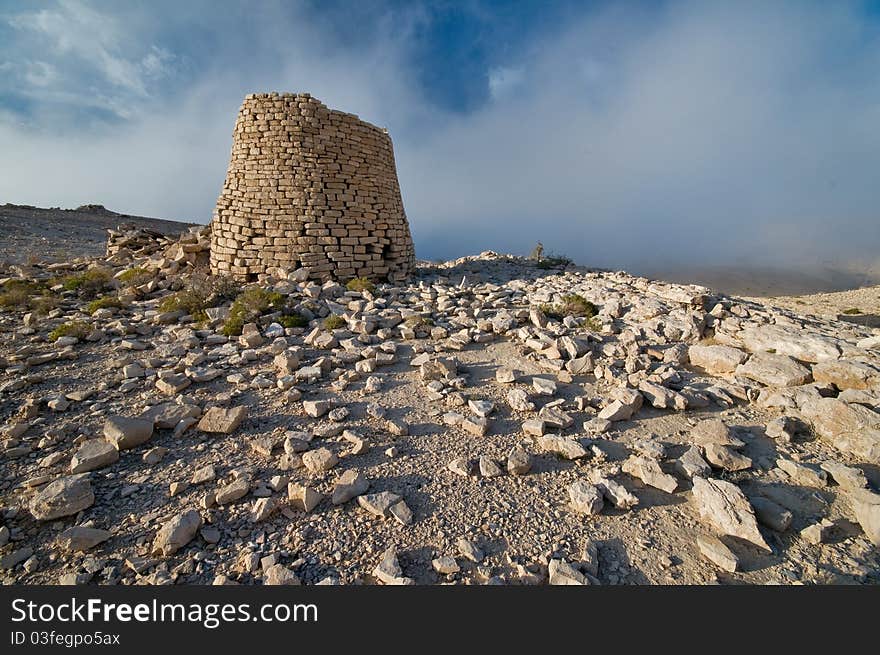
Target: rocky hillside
x,y
40,234
492,421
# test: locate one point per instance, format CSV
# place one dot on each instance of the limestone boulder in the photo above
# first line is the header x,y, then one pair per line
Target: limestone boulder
x,y
774,370
725,507
716,360
63,497
850,428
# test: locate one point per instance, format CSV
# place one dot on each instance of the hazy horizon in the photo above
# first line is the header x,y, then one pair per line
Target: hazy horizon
x,y
631,136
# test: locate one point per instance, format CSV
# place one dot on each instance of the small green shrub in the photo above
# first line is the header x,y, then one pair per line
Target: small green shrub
x,y
77,329
105,302
134,277
89,283
42,305
852,310
293,320
334,322
248,307
554,261
201,293
19,294
360,284
571,305
186,301
232,327
218,288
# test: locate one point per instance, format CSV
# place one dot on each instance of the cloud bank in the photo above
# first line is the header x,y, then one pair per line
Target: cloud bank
x,y
625,137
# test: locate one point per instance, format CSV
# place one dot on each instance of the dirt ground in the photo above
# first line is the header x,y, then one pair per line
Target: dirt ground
x,y
855,305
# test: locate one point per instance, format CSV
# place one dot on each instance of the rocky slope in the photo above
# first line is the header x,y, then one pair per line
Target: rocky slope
x,y
40,234
473,426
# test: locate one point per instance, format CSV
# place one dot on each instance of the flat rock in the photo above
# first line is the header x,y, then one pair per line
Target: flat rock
x,y
691,463
388,570
519,461
445,565
714,550
848,477
12,559
544,387
802,473
81,538
555,418
481,408
474,425
660,397
562,446
401,512
622,409
648,471
866,505
770,514
349,485
489,468
263,509
303,497
177,533
585,498
846,374
316,408
534,427
278,574
125,432
615,493
319,460
63,497
726,458
716,360
774,370
850,428
818,533
714,431
794,343
173,384
505,375
166,416
782,428
203,474
518,400
155,455
728,510
460,466
379,504
468,549
93,454
562,573
231,492
222,420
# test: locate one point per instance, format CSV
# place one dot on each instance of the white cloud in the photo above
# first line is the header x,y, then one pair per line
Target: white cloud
x,y
504,80
40,74
84,42
155,63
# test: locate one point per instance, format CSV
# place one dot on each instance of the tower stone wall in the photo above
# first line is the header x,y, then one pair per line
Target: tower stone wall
x,y
309,187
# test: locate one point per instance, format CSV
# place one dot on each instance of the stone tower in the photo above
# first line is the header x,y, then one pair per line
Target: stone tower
x,y
311,187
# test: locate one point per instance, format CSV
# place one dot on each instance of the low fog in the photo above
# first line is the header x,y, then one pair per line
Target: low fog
x,y
737,135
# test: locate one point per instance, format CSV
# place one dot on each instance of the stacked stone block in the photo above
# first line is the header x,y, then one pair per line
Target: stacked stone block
x,y
309,187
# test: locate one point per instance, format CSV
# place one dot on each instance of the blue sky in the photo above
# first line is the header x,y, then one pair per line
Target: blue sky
x,y
619,133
